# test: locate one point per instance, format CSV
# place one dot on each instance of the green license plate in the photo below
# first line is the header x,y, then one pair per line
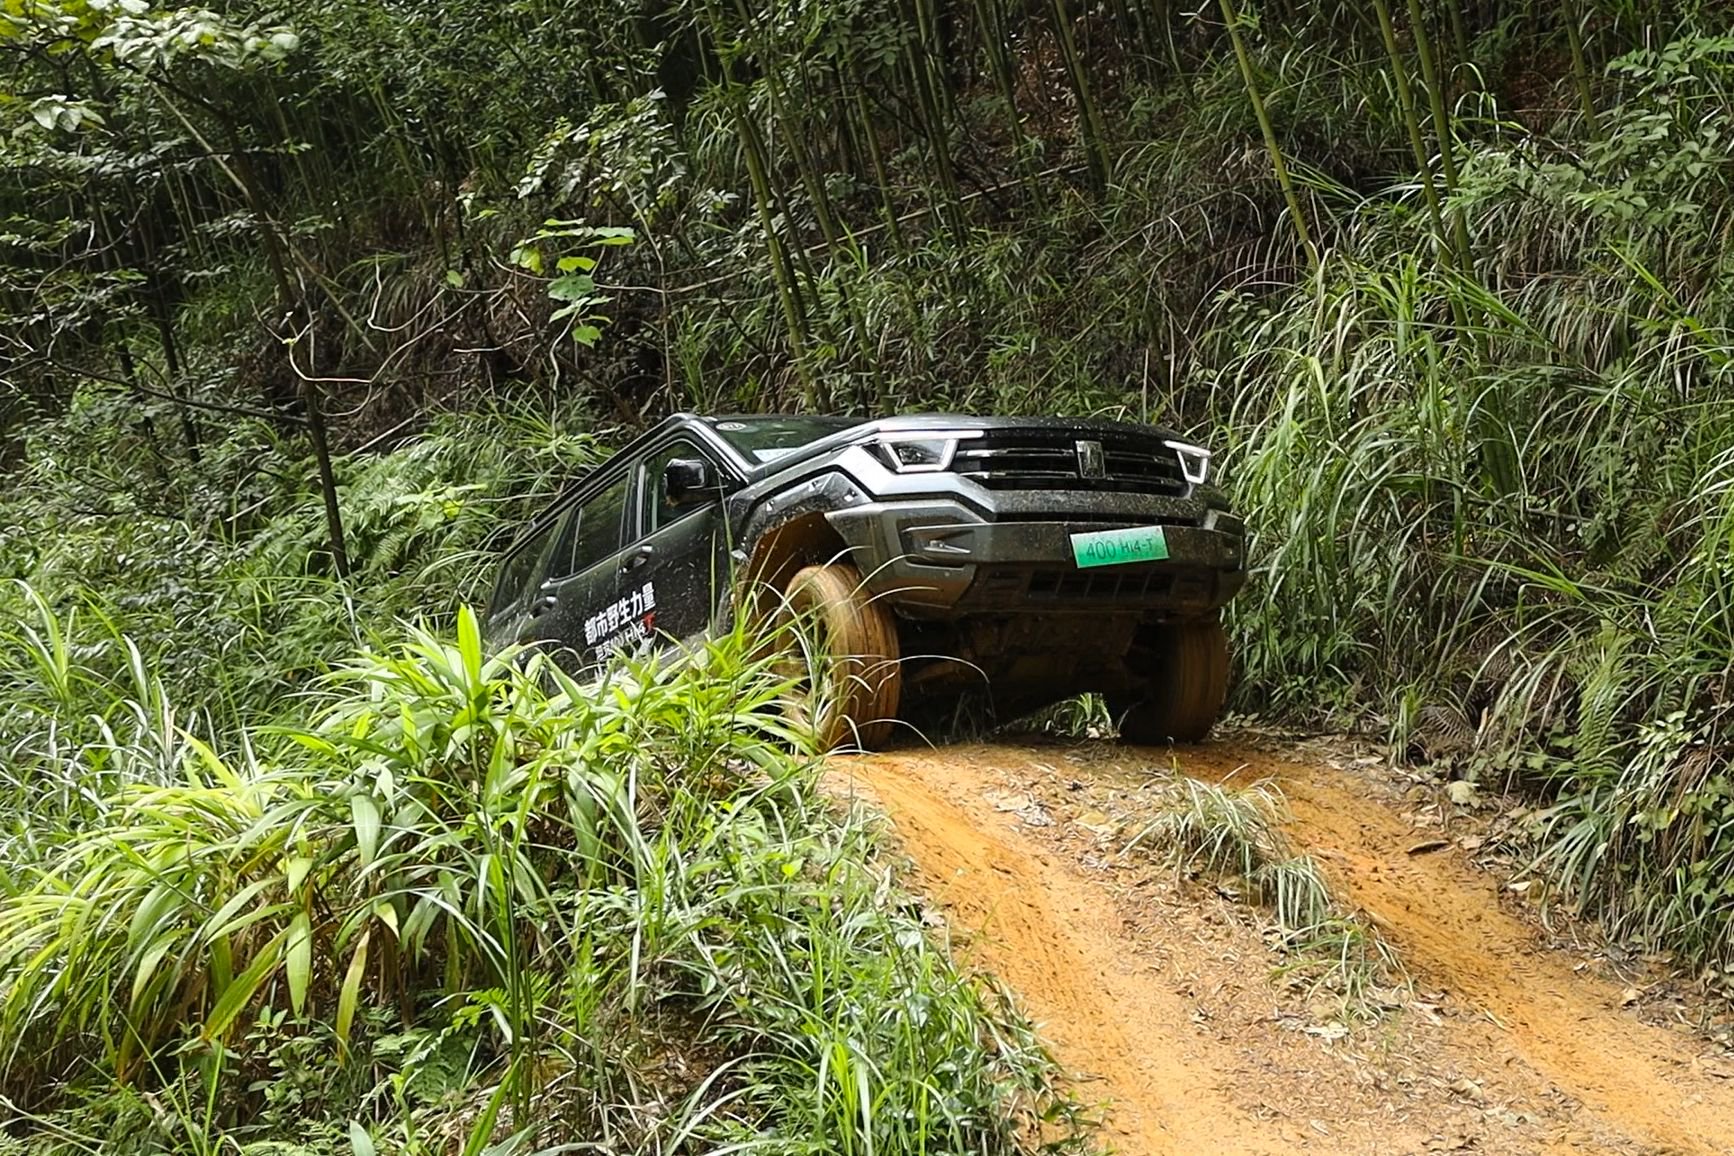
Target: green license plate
x,y
1112,547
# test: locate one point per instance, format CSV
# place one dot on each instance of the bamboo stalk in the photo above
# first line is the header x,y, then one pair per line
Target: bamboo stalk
x,y
782,269
932,41
1441,132
1090,124
934,128
870,135
1129,18
993,34
1459,37
1412,122
1164,19
1580,67
1270,142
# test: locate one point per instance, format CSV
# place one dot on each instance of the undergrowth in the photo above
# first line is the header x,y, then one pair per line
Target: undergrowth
x,y
220,579
280,874
468,904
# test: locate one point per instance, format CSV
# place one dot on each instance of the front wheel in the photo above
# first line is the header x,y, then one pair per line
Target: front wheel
x,y
1185,673
841,652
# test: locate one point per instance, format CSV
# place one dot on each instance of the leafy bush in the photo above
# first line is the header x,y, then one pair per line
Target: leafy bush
x,y
1510,492
609,910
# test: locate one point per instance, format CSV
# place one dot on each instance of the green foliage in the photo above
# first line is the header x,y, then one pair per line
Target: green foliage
x,y
245,555
1528,513
1483,442
613,910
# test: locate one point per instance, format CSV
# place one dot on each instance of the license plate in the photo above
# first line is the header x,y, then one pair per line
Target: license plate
x,y
1113,547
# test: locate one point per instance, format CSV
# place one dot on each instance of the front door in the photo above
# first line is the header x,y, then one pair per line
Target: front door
x,y
678,566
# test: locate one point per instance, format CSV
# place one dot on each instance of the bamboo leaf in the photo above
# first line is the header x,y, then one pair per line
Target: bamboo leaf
x,y
239,993
470,644
162,899
365,812
295,872
147,968
216,925
299,957
349,994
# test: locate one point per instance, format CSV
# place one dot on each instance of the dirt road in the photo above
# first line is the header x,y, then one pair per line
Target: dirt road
x,y
1166,1002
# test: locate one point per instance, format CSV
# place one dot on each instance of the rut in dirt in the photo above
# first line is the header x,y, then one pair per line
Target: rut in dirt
x,y
1162,996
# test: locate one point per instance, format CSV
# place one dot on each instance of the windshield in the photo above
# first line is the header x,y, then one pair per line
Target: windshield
x,y
764,439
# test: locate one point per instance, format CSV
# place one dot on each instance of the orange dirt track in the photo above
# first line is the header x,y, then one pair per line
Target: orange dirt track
x,y
1166,1004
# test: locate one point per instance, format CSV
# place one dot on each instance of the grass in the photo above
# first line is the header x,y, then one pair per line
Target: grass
x,y
1231,837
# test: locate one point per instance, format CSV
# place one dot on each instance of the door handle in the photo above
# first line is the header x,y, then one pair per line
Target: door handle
x,y
637,558
543,604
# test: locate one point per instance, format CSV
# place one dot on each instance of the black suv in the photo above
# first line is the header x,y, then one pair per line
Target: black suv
x,y
941,559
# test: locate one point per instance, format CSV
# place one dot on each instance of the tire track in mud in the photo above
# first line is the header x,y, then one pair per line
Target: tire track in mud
x,y
1550,1039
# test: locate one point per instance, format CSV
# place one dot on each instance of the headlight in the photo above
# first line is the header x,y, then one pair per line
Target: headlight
x,y
1194,461
919,453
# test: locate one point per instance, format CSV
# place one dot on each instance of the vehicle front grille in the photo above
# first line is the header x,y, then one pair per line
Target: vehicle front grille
x,y
1038,460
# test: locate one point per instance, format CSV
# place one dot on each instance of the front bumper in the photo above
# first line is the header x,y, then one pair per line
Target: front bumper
x,y
939,558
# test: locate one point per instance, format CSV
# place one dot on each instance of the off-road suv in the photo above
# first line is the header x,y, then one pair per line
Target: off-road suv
x,y
941,559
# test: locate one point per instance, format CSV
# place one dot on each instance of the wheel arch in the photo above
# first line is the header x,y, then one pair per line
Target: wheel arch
x,y
776,543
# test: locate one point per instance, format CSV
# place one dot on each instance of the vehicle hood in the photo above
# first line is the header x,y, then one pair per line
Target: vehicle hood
x,y
943,422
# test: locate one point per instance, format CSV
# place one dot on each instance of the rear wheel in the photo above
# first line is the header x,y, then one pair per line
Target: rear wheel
x,y
1185,669
841,651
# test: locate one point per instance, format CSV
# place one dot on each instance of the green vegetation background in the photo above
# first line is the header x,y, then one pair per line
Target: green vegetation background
x,y
305,307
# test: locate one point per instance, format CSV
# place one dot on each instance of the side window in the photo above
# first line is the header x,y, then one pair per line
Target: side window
x,y
594,531
659,511
519,569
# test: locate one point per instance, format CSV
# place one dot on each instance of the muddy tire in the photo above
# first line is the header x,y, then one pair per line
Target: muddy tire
x,y
841,649
1186,683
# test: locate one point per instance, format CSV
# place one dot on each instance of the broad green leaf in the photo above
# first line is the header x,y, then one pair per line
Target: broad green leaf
x,y
483,1130
349,994
147,968
366,814
300,960
470,643
572,287
247,919
360,1142
240,991
222,964
216,925
162,899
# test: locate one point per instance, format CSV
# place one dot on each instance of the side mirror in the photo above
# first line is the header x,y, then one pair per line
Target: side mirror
x,y
686,479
